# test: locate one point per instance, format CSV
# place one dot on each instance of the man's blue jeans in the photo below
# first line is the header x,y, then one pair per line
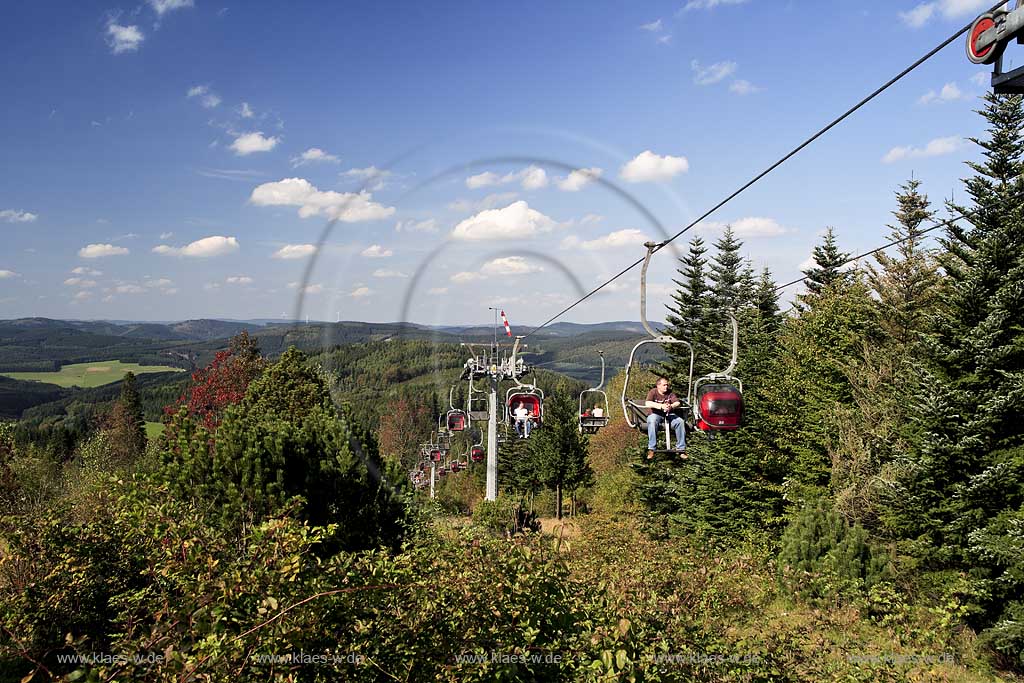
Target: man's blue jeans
x,y
654,423
523,428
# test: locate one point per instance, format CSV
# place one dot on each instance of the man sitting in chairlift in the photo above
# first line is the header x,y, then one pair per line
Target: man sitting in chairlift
x,y
522,415
661,402
598,411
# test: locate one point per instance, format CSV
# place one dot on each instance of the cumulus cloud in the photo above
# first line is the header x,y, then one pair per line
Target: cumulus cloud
x,y
207,98
122,38
949,9
80,282
308,289
466,276
14,216
531,178
937,147
650,167
83,296
578,179
749,227
709,75
128,288
294,251
385,273
981,79
950,92
215,245
515,221
428,225
360,292
489,202
159,283
245,111
314,155
166,235
377,251
163,6
251,143
7,274
348,207
101,250
239,280
510,265
82,270
629,237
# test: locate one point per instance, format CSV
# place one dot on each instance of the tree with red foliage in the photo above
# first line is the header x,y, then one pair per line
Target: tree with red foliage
x,y
222,383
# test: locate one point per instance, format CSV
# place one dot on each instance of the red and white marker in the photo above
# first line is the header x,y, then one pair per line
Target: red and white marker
x,y
504,320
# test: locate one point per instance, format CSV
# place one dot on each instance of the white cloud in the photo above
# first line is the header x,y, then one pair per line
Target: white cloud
x,y
709,75
122,38
162,6
215,245
360,292
385,273
650,167
654,26
428,225
981,79
937,147
166,235
294,251
437,290
100,250
159,283
308,289
371,176
250,143
128,289
489,202
377,251
466,276
531,178
245,111
83,295
207,98
13,216
742,87
6,274
949,9
578,179
510,265
629,237
239,280
82,270
917,17
517,220
710,4
80,282
348,207
314,155
950,92
749,227
591,219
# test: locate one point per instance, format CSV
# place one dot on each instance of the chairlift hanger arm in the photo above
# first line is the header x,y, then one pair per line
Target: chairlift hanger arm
x,y
991,31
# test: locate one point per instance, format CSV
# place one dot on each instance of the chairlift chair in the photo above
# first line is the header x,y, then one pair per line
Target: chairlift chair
x,y
718,396
589,423
636,411
476,453
456,420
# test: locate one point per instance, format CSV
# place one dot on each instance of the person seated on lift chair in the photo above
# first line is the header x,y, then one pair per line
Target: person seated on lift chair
x,y
598,411
523,424
661,402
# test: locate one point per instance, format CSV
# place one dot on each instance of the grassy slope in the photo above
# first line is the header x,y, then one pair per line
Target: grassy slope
x,y
88,375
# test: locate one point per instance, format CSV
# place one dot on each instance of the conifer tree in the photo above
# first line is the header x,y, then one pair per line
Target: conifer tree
x,y
127,425
731,283
689,310
559,451
828,260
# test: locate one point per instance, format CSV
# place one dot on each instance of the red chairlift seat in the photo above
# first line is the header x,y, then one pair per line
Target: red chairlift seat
x,y
530,401
457,420
476,454
437,455
719,407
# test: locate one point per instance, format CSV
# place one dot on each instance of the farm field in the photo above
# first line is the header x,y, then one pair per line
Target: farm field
x,y
89,375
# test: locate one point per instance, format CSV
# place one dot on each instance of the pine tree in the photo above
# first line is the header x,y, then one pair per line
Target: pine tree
x,y
827,263
688,312
559,451
731,287
968,472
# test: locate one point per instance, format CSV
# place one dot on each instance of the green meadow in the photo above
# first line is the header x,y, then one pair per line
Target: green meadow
x,y
89,374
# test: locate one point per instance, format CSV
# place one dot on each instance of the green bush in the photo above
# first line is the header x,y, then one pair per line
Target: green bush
x,y
822,556
505,515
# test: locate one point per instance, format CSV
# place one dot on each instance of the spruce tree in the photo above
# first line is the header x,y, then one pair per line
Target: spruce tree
x,y
828,260
731,287
559,451
688,312
126,424
967,477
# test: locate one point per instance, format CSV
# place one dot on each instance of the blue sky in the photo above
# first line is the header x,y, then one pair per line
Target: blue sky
x,y
176,159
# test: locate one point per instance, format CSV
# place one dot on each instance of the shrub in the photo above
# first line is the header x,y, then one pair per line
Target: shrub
x,y
505,515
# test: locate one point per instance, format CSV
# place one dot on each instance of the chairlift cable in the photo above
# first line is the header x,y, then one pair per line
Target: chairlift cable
x,y
892,81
